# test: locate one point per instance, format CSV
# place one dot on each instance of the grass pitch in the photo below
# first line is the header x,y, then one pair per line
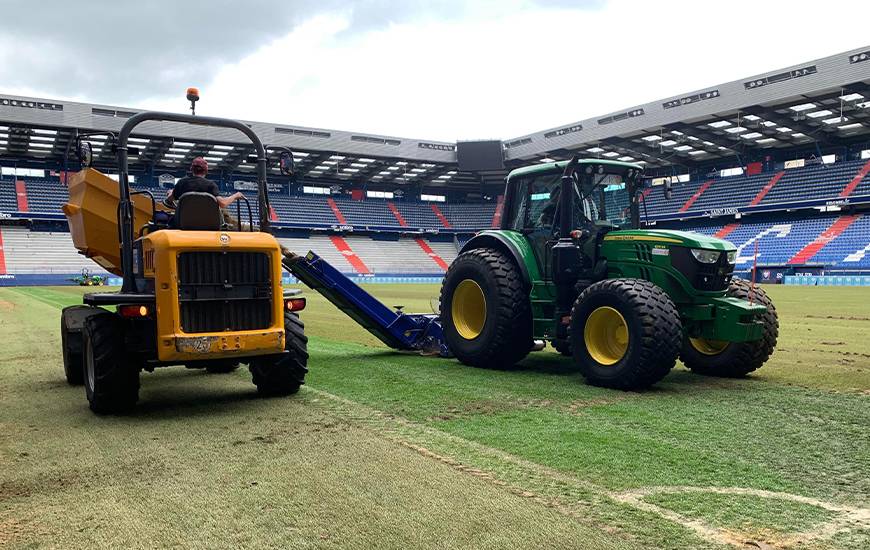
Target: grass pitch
x,y
382,449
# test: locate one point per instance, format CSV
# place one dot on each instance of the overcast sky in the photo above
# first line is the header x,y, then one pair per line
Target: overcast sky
x,y
439,70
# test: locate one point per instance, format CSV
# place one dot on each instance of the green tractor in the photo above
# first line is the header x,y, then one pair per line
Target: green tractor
x,y
572,266
86,279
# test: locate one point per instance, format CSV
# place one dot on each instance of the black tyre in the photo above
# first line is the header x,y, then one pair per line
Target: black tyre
x,y
625,333
735,359
485,310
71,323
283,374
563,347
111,382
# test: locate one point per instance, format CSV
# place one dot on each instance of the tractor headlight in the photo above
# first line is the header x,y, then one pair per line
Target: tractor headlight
x,y
732,257
706,256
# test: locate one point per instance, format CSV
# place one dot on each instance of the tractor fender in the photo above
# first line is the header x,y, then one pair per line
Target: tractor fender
x,y
499,241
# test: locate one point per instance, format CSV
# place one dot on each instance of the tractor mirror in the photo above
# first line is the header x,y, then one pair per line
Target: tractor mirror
x,y
669,192
85,153
286,163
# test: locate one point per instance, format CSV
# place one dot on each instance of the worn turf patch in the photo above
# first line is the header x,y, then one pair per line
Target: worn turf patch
x,y
753,516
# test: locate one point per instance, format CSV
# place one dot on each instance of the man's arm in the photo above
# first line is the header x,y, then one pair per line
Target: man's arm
x,y
226,201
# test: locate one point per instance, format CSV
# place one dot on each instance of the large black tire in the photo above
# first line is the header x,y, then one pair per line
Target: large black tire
x,y
563,347
643,347
283,374
71,323
501,335
735,359
111,382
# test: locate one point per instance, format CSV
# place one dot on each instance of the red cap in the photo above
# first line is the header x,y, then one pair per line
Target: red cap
x,y
199,167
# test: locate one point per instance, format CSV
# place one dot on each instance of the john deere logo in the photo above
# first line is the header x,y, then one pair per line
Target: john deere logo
x,y
225,239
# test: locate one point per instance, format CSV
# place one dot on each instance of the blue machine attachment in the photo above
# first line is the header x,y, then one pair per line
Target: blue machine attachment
x,y
398,330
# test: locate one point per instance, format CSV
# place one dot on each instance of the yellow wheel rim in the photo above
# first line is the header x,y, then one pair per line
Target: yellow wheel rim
x,y
468,309
708,347
606,335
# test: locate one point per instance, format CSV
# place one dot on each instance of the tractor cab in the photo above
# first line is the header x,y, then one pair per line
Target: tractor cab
x,y
582,200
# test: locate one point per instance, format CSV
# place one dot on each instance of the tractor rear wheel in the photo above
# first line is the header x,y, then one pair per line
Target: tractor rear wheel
x,y
283,374
735,359
485,310
111,382
625,333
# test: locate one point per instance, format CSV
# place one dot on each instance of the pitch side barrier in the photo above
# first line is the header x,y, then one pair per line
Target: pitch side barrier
x,y
828,280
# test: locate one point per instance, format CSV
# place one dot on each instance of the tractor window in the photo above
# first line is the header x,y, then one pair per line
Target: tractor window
x,y
537,203
544,201
606,199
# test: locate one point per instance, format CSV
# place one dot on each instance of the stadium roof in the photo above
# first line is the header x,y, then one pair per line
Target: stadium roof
x,y
825,102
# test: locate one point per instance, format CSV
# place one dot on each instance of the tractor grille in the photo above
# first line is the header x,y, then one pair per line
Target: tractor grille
x,y
707,277
714,276
224,291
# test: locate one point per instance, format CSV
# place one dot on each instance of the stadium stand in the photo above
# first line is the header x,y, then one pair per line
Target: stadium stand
x,y
837,242
818,182
28,252
47,195
41,252
802,146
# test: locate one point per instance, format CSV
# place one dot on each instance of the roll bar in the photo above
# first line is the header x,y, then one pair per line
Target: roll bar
x,y
125,206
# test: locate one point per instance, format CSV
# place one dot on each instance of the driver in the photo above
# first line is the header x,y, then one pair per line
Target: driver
x,y
197,182
550,213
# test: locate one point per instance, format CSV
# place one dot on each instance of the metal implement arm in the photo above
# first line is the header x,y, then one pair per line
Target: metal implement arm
x,y
398,330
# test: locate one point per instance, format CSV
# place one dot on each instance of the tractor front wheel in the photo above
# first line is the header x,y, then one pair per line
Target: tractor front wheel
x,y
735,359
111,382
625,333
283,374
485,310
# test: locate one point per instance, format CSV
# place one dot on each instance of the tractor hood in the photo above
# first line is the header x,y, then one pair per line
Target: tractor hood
x,y
669,237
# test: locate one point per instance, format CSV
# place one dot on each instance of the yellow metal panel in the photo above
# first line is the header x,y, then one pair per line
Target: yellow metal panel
x,y
175,345
92,213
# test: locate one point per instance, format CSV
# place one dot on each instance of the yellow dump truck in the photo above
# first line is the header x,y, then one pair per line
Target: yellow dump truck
x,y
196,291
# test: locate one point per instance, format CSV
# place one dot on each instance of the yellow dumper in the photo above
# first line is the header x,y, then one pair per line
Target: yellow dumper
x,y
196,291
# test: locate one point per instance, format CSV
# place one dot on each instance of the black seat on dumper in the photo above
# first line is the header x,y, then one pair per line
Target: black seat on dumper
x,y
198,212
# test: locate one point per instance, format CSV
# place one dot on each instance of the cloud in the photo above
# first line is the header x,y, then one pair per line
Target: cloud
x,y
501,75
119,51
435,70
